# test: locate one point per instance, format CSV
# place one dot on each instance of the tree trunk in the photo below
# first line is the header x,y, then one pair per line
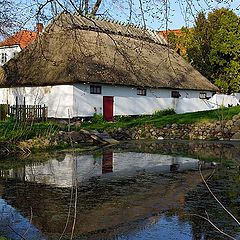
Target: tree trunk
x,y
86,7
96,7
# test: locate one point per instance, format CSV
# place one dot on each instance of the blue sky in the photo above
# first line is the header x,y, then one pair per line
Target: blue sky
x,y
180,12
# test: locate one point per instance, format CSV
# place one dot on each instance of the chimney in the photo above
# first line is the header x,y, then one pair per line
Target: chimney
x,y
39,27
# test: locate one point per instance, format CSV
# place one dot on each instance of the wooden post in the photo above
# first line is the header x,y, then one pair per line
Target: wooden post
x,y
3,111
17,112
24,109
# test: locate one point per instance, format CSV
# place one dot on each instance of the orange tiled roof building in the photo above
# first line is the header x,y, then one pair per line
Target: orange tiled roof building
x,y
12,45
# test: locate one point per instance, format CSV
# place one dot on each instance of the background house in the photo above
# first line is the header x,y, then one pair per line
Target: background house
x,y
80,66
12,45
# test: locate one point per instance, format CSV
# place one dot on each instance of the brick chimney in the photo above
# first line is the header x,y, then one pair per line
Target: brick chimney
x,y
39,27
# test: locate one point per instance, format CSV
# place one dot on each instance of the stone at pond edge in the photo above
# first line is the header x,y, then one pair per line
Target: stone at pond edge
x,y
236,136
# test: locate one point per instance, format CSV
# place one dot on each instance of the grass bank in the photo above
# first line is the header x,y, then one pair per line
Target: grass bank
x,y
16,131
162,118
43,133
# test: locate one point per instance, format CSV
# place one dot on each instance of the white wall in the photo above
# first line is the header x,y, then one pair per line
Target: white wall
x,y
65,101
58,99
9,50
127,102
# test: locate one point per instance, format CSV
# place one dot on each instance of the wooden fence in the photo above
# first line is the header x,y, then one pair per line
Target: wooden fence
x,y
24,112
28,112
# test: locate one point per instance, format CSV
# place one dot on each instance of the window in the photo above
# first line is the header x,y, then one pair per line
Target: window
x,y
15,54
141,91
95,89
4,58
175,94
202,95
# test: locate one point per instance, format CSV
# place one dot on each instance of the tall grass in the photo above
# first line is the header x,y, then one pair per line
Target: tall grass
x,y
11,130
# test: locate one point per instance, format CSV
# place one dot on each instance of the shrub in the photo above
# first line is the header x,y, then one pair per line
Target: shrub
x,y
164,112
97,118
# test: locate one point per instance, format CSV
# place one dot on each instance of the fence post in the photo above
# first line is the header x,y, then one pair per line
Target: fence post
x,y
3,111
24,109
17,110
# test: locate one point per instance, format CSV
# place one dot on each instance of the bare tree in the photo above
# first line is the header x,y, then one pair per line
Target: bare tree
x,y
6,17
154,13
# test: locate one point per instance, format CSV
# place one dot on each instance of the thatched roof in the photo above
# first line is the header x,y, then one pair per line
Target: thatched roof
x,y
77,49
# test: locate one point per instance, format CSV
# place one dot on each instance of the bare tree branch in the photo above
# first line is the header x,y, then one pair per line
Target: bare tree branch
x,y
86,7
96,7
224,208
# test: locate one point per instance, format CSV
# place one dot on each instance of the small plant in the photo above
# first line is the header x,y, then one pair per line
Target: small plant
x,y
165,112
123,118
97,118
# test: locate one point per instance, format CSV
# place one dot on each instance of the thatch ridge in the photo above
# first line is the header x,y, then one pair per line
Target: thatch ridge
x,y
91,23
66,54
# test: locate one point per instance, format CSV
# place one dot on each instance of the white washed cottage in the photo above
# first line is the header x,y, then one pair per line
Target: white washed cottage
x,y
80,66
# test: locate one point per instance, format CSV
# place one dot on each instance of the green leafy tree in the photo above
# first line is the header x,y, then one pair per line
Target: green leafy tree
x,y
215,48
225,53
180,40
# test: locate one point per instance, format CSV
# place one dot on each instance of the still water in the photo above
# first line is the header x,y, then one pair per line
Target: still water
x,y
136,190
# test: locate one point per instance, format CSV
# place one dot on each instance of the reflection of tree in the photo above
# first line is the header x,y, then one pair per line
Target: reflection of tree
x,y
199,201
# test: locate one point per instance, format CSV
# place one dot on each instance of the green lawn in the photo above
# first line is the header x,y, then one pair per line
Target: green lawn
x,y
162,118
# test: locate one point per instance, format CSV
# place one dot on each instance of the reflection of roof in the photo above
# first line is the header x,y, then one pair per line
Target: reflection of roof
x,y
22,38
139,195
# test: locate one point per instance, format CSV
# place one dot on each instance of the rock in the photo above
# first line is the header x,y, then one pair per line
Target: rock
x,y
236,136
236,117
234,129
76,136
218,128
229,123
237,123
225,130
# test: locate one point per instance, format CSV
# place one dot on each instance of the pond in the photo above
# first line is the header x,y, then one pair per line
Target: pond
x,y
135,190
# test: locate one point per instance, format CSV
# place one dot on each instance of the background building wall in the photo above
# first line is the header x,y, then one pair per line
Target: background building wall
x,y
9,51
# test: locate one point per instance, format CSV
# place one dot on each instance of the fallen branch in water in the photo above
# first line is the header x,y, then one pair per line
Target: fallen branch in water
x,y
218,229
225,209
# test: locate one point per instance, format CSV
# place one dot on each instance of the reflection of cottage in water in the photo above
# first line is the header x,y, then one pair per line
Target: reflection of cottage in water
x,y
62,173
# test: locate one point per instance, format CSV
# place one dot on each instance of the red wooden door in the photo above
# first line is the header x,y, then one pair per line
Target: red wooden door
x,y
108,108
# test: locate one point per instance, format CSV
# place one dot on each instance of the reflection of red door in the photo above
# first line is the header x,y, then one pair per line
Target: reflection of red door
x,y
108,108
107,163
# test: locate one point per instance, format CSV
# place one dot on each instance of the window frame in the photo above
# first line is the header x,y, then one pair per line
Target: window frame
x,y
95,89
203,95
141,91
4,58
175,94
